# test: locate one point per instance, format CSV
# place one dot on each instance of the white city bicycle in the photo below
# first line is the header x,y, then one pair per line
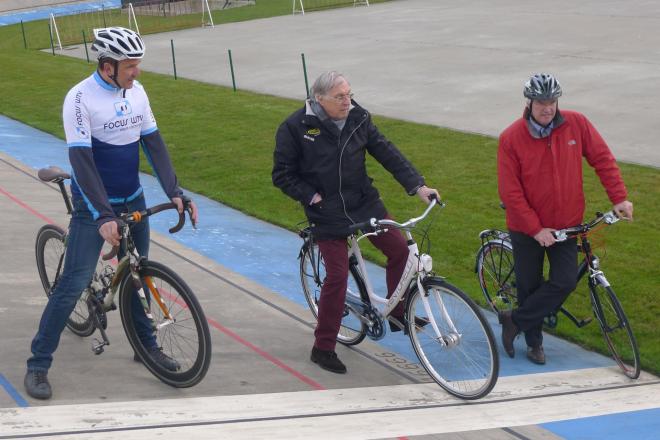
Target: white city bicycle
x,y
448,332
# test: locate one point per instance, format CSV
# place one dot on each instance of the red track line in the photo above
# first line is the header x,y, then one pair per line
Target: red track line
x,y
26,207
214,323
266,355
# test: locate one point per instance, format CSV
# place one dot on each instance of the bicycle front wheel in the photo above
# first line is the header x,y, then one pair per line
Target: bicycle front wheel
x,y
312,273
616,329
50,249
462,357
180,327
496,276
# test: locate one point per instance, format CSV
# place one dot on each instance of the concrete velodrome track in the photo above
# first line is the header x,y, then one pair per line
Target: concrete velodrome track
x,y
430,61
261,383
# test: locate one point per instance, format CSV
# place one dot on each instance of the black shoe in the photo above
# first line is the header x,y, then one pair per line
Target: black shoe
x,y
509,331
156,353
328,360
37,385
420,323
536,355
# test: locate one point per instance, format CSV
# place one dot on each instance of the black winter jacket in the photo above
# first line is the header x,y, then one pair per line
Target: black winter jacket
x,y
313,156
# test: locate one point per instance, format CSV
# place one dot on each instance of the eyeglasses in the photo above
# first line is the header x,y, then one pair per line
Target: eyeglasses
x,y
341,98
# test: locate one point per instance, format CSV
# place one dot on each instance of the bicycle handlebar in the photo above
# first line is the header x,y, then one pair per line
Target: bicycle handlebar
x,y
137,216
375,225
609,218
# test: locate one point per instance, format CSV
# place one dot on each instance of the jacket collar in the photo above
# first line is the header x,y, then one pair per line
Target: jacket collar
x,y
556,122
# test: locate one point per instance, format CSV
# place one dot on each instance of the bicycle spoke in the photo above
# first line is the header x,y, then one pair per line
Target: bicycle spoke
x,y
467,364
616,330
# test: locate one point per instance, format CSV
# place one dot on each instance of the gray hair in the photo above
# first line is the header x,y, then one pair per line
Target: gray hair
x,y
325,82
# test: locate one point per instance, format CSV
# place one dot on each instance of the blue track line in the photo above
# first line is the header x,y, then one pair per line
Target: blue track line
x,y
13,393
13,17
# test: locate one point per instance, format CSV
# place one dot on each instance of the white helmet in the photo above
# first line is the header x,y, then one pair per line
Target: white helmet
x,y
118,43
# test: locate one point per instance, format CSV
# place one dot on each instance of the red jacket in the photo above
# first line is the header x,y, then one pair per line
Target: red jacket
x,y
540,180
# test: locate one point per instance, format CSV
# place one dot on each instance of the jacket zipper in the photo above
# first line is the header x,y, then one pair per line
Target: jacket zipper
x,y
341,154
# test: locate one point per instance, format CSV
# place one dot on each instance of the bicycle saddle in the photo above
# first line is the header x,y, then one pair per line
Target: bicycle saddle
x,y
52,174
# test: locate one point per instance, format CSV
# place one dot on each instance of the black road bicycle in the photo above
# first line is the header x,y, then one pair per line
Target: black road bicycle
x,y
176,316
494,268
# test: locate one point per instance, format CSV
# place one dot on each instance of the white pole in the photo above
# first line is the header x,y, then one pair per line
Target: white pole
x,y
54,26
302,8
132,11
206,3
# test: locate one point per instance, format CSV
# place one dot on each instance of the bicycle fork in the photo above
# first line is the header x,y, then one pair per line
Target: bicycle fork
x,y
453,337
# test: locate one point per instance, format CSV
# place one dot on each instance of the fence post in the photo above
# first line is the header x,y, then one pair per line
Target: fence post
x,y
103,13
173,58
305,72
50,32
85,43
231,67
23,30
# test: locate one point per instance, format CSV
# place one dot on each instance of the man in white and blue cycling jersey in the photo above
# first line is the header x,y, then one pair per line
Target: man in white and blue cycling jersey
x,y
106,118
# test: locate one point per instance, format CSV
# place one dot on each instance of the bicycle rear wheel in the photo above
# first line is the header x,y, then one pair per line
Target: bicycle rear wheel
x,y
464,360
184,338
496,276
50,249
312,273
616,329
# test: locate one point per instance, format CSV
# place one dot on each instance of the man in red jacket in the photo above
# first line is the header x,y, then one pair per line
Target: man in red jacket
x,y
539,166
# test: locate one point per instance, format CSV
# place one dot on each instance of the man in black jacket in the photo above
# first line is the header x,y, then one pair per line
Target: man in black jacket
x,y
319,160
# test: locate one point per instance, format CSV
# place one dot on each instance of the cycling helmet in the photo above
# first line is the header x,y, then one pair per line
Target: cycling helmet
x,y
542,86
118,43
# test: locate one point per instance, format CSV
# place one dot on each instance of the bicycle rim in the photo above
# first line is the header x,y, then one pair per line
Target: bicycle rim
x,y
496,276
185,338
352,330
616,330
50,248
466,367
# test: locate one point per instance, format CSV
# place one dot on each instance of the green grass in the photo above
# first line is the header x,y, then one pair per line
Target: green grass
x,y
225,153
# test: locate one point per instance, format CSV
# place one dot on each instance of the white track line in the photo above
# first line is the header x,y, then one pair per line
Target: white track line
x,y
347,413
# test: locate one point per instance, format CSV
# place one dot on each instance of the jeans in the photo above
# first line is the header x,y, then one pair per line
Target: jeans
x,y
83,250
538,298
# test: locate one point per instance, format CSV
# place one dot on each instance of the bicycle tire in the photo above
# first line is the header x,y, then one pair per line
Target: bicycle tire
x,y
186,340
616,329
497,278
50,247
352,330
467,365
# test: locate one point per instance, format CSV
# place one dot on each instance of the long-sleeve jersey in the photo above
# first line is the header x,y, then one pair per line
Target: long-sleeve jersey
x,y
104,126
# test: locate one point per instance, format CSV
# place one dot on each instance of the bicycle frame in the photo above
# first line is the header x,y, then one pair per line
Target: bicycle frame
x,y
418,267
590,263
131,262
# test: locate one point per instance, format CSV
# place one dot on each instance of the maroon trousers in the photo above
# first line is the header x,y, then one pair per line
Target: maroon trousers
x,y
333,293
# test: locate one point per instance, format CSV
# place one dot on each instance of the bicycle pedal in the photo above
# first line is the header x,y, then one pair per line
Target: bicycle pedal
x,y
584,322
97,348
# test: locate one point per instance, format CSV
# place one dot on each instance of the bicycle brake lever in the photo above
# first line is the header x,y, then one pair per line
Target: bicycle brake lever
x,y
190,216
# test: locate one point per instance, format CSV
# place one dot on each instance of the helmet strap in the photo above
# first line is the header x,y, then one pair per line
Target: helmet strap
x,y
115,65
113,77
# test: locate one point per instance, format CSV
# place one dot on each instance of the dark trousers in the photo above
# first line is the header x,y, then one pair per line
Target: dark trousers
x,y
333,293
538,298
